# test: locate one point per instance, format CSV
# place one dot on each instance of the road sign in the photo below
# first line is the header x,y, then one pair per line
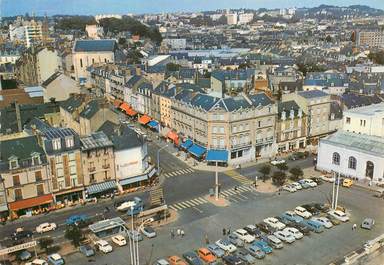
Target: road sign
x,y
5,251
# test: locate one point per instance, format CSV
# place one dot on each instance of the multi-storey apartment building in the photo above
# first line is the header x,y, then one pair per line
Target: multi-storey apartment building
x,y
370,37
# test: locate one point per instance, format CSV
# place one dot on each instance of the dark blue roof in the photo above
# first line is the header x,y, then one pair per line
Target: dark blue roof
x,y
94,45
260,99
235,103
312,94
205,102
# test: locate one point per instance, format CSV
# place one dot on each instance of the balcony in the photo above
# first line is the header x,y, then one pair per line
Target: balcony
x,y
241,145
91,169
106,166
217,147
263,141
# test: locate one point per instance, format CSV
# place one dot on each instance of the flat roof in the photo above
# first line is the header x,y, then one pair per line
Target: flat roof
x,y
370,110
106,224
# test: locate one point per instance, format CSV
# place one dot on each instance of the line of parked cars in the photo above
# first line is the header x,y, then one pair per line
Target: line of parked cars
x,y
252,242
302,184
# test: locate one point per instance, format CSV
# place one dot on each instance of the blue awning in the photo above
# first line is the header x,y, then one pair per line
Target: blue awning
x,y
101,187
197,150
153,124
187,144
133,180
217,156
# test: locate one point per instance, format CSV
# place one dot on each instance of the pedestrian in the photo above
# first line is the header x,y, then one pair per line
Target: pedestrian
x,y
228,230
224,232
172,234
206,239
182,233
235,187
178,231
354,226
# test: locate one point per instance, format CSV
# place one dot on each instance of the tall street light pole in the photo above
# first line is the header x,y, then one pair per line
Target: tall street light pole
x,y
158,159
216,183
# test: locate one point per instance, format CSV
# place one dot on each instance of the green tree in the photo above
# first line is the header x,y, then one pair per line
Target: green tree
x,y
265,170
172,67
296,173
278,178
74,234
282,166
45,243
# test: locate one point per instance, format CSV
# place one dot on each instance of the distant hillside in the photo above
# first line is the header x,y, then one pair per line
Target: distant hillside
x,y
338,12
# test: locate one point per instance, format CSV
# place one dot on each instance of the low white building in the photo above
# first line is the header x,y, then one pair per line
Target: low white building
x,y
352,155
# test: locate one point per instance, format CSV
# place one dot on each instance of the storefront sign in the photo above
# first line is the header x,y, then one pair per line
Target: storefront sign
x,y
5,251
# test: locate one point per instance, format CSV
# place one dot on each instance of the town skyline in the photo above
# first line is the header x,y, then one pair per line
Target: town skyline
x,y
94,7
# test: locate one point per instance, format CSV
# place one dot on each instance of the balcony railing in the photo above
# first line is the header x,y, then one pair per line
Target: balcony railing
x,y
241,145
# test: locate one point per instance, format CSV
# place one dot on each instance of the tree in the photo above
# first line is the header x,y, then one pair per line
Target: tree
x,y
282,166
296,173
45,243
278,178
265,170
74,234
172,67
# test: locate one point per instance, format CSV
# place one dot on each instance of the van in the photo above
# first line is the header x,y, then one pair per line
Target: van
x,y
314,226
347,183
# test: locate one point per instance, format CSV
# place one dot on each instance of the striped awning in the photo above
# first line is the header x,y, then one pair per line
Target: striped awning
x,y
101,187
131,180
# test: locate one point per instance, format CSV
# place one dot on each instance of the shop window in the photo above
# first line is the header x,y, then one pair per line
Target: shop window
x,y
40,189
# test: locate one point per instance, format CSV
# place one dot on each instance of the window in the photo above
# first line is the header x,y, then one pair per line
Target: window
x,y
13,164
221,142
38,176
348,120
69,142
56,144
352,162
16,180
259,124
18,195
221,129
234,129
36,159
40,189
214,129
81,63
336,158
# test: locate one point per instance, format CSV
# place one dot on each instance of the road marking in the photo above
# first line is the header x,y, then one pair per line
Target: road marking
x,y
197,209
196,201
178,206
242,196
232,199
173,208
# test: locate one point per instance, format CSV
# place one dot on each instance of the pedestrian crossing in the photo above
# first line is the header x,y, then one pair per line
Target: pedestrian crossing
x,y
238,177
201,200
178,172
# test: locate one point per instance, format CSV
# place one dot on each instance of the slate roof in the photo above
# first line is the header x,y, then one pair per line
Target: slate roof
x,y
95,140
235,103
121,136
260,99
73,103
203,101
352,100
94,45
91,109
133,80
312,94
336,110
287,106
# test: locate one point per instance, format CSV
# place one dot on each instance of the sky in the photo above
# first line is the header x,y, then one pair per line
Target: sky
x,y
93,7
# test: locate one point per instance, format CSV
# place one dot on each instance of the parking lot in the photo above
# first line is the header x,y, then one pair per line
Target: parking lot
x,y
316,248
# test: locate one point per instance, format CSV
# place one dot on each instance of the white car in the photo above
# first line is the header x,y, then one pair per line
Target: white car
x,y
294,232
284,236
274,223
244,235
277,162
103,246
324,221
296,185
37,262
119,240
125,206
225,245
327,178
311,183
148,231
289,188
300,211
339,215
46,227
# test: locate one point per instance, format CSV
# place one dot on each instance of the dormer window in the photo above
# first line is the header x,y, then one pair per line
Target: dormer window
x,y
35,159
56,144
69,142
13,162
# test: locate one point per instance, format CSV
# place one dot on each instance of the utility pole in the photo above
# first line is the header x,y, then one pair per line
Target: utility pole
x,y
216,183
337,190
158,159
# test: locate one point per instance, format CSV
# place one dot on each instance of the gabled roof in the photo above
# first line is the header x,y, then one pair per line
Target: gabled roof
x,y
95,140
94,46
260,99
203,101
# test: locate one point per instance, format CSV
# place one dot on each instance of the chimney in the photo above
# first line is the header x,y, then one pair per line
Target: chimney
x,y
18,117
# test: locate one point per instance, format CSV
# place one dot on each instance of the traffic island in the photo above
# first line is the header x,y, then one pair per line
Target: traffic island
x,y
221,202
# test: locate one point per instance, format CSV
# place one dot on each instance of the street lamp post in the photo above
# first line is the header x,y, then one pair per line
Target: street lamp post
x,y
216,183
158,159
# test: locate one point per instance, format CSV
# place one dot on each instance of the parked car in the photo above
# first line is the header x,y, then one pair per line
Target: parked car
x,y
272,241
321,207
87,250
273,222
232,260
103,246
206,255
347,183
277,161
294,232
292,216
266,228
314,226
311,182
119,240
225,245
45,227
327,178
234,239
253,230
245,256
55,259
284,236
161,262
176,260
135,235
310,207
296,185
263,246
255,251
342,216
37,262
333,220
192,258
76,219
24,255
20,234
300,211
148,231
244,235
368,223
304,184
216,250
289,188
324,221
283,220
302,228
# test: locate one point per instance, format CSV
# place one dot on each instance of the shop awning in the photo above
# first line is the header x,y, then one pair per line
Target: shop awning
x,y
144,119
152,172
217,156
117,103
173,136
101,187
153,124
128,181
197,150
32,202
131,112
125,106
187,144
